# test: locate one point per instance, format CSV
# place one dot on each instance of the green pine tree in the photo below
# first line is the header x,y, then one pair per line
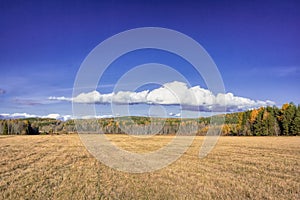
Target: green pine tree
x,y
295,125
5,129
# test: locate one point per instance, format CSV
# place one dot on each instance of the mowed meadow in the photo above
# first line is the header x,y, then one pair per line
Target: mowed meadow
x,y
59,167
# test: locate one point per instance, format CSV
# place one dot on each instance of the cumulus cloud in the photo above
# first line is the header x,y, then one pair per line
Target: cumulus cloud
x,y
173,93
51,116
26,115
16,115
174,114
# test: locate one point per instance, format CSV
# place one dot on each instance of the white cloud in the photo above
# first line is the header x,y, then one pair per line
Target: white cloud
x,y
51,116
21,115
26,115
173,93
130,97
174,114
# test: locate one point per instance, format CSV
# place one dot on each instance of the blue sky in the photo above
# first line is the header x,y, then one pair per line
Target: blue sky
x,y
255,45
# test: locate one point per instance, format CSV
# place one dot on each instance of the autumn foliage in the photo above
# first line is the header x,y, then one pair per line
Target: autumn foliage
x,y
257,122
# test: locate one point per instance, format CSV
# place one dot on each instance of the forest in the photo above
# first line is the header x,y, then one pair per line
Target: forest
x,y
264,121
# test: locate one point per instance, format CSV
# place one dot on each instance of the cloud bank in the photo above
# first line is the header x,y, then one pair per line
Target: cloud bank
x,y
173,93
51,116
26,115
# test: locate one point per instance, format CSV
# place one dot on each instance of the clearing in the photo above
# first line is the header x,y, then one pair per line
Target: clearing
x,y
59,167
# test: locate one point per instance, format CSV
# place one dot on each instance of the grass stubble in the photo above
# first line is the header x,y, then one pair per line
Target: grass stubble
x,y
59,167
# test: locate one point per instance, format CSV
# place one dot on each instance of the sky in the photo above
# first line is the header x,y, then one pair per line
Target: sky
x,y
254,44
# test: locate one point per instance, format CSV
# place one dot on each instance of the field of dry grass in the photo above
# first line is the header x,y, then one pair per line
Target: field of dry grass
x,y
59,167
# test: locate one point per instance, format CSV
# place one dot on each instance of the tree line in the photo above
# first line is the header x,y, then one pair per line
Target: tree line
x,y
265,121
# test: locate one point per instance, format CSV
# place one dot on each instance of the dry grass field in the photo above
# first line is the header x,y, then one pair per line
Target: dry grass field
x,y
59,167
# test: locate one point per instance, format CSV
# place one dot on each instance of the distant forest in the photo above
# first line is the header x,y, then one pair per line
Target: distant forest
x,y
265,121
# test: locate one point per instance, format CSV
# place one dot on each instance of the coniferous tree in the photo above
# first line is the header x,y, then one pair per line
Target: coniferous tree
x,y
295,126
5,129
287,114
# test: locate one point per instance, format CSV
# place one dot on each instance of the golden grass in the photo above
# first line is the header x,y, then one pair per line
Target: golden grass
x,y
59,167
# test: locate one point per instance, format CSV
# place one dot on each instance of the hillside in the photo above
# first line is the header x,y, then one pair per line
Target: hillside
x,y
265,121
